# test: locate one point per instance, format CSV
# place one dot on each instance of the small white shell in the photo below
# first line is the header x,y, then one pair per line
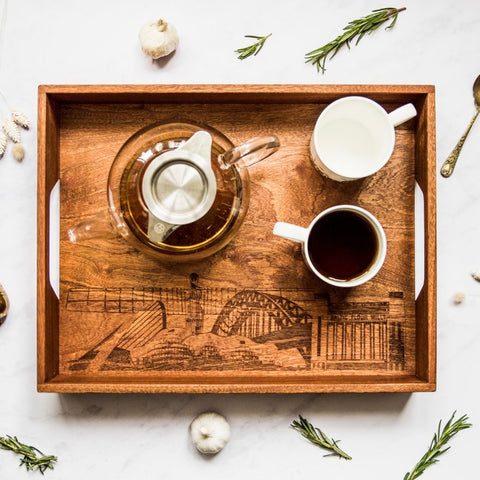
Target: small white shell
x,y
11,129
18,152
158,38
20,119
210,432
459,298
476,275
3,143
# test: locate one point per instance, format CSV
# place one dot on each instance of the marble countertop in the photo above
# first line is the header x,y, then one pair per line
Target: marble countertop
x,y
146,436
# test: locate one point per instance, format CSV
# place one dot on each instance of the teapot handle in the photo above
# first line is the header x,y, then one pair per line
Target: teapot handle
x,y
249,153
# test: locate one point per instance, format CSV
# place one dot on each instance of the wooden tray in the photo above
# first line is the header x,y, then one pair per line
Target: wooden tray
x,y
252,318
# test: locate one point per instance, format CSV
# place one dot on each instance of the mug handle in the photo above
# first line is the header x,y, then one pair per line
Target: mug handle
x,y
291,232
402,114
249,153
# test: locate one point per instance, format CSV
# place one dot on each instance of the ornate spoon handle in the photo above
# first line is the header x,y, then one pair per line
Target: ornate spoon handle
x,y
449,164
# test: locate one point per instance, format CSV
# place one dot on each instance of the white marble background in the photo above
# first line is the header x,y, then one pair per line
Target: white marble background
x,y
142,436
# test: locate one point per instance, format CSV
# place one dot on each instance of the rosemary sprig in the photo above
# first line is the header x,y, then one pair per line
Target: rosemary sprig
x,y
30,458
253,49
355,28
317,437
437,445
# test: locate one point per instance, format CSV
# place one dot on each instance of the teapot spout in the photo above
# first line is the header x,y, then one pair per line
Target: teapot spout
x,y
100,226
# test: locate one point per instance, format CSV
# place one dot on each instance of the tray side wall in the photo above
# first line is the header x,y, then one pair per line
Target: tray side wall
x,y
344,384
47,302
426,304
233,93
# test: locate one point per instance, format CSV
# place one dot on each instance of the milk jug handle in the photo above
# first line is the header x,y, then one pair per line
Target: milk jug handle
x,y
246,154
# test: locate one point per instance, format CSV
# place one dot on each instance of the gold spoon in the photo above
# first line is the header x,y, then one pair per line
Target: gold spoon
x,y
449,164
4,305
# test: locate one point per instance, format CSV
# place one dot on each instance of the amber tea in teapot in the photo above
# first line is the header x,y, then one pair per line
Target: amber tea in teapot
x,y
221,216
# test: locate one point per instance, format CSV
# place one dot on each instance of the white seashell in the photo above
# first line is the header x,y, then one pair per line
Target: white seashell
x,y
459,298
3,143
476,275
20,119
11,129
18,152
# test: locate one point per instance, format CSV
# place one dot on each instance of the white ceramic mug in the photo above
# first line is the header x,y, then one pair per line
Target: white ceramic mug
x,y
327,239
354,137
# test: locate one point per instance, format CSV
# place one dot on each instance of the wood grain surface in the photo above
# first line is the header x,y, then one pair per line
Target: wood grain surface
x,y
251,318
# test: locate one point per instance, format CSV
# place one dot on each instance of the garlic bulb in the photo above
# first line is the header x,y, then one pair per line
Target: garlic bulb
x,y
158,39
210,432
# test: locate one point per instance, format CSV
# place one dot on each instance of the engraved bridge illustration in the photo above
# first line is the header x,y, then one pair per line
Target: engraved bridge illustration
x,y
193,329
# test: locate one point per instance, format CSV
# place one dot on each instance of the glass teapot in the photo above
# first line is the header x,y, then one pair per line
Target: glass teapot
x,y
178,191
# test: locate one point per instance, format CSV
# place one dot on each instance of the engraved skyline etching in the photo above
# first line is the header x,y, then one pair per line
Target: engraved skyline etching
x,y
206,329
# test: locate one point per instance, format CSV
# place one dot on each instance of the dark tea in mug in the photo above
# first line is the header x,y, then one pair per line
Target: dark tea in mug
x,y
342,245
